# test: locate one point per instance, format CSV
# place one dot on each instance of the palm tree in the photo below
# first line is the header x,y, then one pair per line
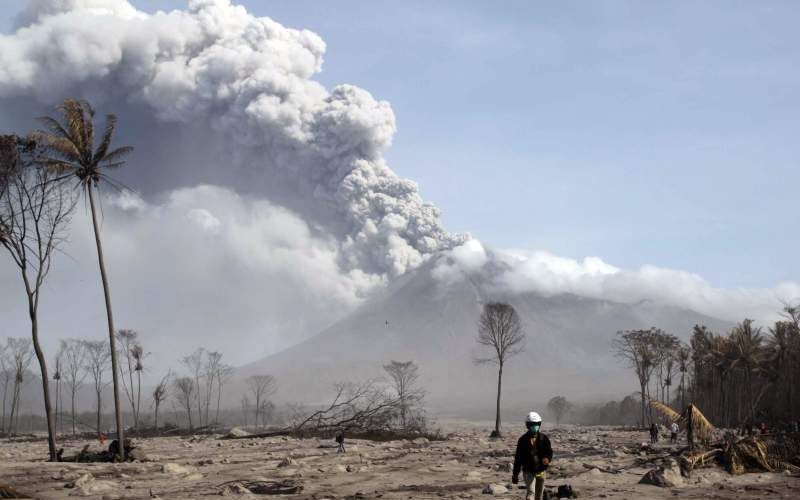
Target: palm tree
x,y
719,357
71,151
747,344
683,366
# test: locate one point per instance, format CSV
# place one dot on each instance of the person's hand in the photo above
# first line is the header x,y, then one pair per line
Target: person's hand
x,y
514,480
546,461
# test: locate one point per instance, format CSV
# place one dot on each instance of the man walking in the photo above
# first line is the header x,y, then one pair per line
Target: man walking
x,y
340,441
674,429
653,433
532,457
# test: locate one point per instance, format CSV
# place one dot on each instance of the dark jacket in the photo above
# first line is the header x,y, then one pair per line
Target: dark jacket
x,y
529,459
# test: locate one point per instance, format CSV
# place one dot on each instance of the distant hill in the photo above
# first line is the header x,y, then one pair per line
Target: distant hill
x,y
433,322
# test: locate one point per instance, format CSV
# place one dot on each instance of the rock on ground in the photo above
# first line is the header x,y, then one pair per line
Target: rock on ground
x,y
495,489
667,476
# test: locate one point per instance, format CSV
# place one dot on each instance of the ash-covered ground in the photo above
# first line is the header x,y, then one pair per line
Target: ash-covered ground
x,y
596,462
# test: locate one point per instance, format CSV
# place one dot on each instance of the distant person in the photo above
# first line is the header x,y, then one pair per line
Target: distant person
x,y
674,429
532,457
340,442
653,433
764,428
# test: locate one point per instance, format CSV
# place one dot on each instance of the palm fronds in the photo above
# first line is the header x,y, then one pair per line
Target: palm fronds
x,y
701,428
665,411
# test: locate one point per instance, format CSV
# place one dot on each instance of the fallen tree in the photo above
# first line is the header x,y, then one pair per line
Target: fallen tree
x,y
364,410
766,453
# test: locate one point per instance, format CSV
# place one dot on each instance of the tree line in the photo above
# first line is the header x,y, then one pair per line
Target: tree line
x,y
743,376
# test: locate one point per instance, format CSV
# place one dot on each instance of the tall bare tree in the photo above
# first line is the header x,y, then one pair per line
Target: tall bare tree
x,y
559,406
403,377
131,368
195,364
58,376
35,211
636,348
6,375
97,358
160,393
212,366
72,152
184,394
223,374
75,371
500,329
21,354
261,387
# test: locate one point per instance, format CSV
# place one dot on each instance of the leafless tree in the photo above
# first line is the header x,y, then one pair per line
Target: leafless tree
x,y
184,394
500,329
132,366
57,376
195,364
213,365
559,406
403,377
636,348
261,387
98,356
364,406
35,211
267,412
159,396
245,408
21,355
222,374
6,375
75,371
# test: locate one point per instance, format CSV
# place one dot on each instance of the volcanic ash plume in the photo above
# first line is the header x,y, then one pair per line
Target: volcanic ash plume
x,y
250,80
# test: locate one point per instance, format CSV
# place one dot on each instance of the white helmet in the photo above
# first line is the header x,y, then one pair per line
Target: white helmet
x,y
533,418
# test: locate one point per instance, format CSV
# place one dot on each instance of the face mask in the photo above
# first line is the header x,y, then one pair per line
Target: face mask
x,y
535,428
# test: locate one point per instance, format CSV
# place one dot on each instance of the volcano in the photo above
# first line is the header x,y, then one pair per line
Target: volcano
x,y
433,322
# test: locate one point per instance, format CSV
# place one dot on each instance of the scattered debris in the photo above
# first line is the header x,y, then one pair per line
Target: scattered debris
x,y
566,491
87,485
235,488
284,487
6,491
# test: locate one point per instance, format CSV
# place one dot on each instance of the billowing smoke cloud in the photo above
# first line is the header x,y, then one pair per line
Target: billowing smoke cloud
x,y
249,80
202,267
523,271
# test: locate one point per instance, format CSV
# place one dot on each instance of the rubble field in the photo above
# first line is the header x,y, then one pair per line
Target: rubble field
x,y
597,462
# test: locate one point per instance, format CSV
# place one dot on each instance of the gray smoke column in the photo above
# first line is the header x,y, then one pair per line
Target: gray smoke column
x,y
250,80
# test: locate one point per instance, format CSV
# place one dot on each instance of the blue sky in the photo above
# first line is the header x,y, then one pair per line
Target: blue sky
x,y
638,132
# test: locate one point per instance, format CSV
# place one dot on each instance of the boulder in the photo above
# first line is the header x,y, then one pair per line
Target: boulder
x,y
87,485
495,489
473,476
237,432
186,472
137,454
666,476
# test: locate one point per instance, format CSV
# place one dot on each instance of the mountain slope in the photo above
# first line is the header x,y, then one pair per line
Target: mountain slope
x,y
433,321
